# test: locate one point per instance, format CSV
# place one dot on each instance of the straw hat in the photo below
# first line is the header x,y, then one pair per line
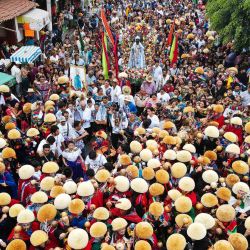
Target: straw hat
x,y
123,204
240,167
169,155
85,189
162,176
186,184
152,143
38,237
209,200
247,128
231,179
125,160
148,173
154,163
5,199
50,167
211,155
183,219
156,189
199,70
105,246
210,176
191,37
142,245
196,231
222,245
54,97
16,244
176,242
178,170
102,175
70,187
206,219
98,229
230,136
25,216
119,224
247,223
233,149
46,213
238,241
162,134
121,183
49,118
135,147
236,121
8,153
78,238
32,132
169,140
47,183
10,126
224,193
156,209
39,197
123,75
146,155
2,143
14,134
240,187
189,147
139,185
218,108
247,139
76,206
56,190
132,171
4,89
183,204
101,213
140,131
144,230
62,201
26,172
126,90
15,210
174,194
183,156
63,80
212,131
225,213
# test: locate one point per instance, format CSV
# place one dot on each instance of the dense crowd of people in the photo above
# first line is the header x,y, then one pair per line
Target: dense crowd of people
x,y
153,156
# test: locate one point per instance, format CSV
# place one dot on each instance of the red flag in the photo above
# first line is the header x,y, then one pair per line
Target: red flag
x,y
170,35
106,26
175,56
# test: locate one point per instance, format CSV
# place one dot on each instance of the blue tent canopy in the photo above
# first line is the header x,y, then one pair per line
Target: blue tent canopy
x,y
26,54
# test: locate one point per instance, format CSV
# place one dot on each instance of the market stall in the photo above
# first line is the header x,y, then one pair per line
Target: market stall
x,y
26,54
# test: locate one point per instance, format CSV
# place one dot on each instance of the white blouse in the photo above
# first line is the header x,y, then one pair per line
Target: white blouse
x,y
71,155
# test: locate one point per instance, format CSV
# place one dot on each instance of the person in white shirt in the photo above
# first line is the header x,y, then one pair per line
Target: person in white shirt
x,y
16,72
65,129
155,122
157,74
95,161
85,115
59,141
163,97
116,91
51,141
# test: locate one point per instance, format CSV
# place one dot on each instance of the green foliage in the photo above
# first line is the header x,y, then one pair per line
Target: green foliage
x,y
231,19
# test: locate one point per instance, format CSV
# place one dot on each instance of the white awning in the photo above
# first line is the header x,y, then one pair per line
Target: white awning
x,y
37,18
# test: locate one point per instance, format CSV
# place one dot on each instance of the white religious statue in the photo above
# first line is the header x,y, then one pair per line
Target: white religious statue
x,y
137,56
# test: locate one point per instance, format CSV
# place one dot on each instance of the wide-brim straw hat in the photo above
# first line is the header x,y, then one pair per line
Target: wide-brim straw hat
x,y
225,213
78,238
176,241
196,231
206,219
183,204
139,185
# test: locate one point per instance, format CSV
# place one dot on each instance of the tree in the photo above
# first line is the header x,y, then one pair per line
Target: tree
x,y
231,20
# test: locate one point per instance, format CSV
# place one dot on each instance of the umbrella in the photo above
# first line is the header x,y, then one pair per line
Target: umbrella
x,y
26,54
